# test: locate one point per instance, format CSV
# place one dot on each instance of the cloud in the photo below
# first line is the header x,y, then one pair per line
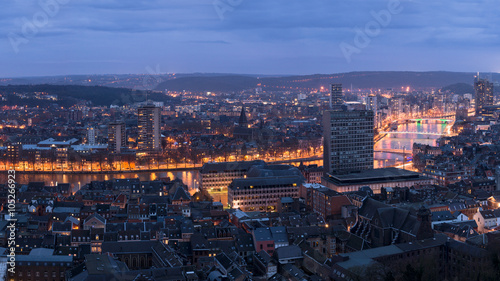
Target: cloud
x,y
255,36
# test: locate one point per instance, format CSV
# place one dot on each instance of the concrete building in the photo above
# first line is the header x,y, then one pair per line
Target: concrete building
x,y
262,193
216,177
116,137
372,104
375,179
336,96
91,136
348,141
484,94
149,129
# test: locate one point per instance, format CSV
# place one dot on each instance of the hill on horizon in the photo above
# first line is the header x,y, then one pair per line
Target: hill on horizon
x,y
358,80
69,95
220,82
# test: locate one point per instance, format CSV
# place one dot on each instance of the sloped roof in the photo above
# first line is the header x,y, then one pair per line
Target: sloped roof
x,y
369,208
181,194
442,216
289,252
97,216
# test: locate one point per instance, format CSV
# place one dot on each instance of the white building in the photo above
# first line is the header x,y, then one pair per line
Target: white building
x,y
487,220
91,136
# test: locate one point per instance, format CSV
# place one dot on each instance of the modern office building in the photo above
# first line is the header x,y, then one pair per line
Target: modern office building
x,y
371,104
348,140
336,97
262,193
216,177
149,129
116,137
263,187
484,94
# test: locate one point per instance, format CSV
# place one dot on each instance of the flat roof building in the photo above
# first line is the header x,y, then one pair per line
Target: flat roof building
x,y
348,140
375,179
262,193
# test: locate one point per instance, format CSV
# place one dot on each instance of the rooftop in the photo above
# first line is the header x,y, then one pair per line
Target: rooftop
x,y
374,176
229,166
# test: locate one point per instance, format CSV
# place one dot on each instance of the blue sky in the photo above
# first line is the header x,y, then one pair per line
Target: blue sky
x,y
252,36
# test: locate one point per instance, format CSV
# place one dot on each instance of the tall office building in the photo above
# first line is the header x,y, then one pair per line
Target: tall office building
x,y
371,104
91,136
336,99
149,128
484,94
117,137
348,140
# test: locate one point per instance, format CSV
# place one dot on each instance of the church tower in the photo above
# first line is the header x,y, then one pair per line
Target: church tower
x,y
243,122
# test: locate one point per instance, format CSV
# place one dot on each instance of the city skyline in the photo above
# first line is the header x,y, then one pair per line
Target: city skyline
x,y
249,140
248,37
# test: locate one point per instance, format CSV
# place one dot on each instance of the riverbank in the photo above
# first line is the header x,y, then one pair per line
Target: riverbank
x,y
160,170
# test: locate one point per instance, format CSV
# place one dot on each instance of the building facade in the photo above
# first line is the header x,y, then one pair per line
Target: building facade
x,y
372,104
484,94
116,137
216,177
336,97
149,128
375,179
348,141
262,193
91,136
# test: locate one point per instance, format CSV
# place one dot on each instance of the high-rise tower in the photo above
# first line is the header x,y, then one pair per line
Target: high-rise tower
x,y
149,128
348,140
116,137
484,94
336,99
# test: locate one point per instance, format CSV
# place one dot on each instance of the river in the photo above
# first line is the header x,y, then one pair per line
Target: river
x,y
405,141
192,178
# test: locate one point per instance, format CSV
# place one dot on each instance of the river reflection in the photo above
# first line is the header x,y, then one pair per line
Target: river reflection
x,y
192,178
405,141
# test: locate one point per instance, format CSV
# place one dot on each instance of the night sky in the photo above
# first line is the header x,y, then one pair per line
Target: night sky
x,y
246,36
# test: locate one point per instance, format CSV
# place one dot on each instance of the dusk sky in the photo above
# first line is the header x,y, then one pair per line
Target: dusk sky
x,y
246,36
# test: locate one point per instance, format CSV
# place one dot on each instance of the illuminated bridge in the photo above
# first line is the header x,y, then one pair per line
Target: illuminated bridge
x,y
411,132
394,151
431,119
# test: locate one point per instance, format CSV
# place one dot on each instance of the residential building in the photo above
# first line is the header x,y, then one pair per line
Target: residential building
x,y
328,203
487,220
149,129
484,94
117,138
